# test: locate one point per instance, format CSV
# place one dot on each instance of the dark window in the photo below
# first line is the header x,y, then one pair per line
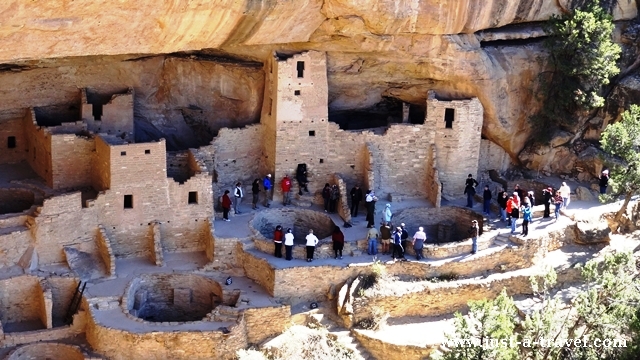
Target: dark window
x,y
147,152
321,161
300,68
296,92
11,142
449,115
193,197
123,153
128,201
270,105
312,133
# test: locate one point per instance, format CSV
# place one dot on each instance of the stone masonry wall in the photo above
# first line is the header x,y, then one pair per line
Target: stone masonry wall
x,y
238,157
13,245
117,115
263,323
63,222
187,345
389,351
458,147
440,298
14,128
38,147
432,181
20,299
178,165
71,159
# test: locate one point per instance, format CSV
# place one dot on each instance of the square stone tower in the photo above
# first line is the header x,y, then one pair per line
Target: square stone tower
x,y
295,114
457,126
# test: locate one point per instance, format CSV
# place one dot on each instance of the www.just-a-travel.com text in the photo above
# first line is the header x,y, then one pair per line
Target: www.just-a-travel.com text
x,y
545,343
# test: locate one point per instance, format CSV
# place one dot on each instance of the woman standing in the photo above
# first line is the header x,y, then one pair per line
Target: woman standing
x,y
526,219
288,244
326,196
255,192
338,241
226,205
277,240
312,241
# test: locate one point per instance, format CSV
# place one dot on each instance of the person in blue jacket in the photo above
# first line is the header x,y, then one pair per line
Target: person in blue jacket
x,y
266,184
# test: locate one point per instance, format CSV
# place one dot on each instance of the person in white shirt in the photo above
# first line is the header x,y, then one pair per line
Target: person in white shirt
x,y
312,241
418,242
565,192
238,194
288,244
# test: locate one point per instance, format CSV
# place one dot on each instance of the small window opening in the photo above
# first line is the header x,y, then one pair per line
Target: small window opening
x,y
449,115
11,142
193,197
296,92
123,153
300,68
312,133
321,161
147,152
128,201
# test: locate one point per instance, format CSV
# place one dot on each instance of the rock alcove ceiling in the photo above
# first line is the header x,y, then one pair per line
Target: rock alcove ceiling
x,y
213,77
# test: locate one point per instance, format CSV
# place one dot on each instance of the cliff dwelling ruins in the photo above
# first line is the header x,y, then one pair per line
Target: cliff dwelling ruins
x,y
114,162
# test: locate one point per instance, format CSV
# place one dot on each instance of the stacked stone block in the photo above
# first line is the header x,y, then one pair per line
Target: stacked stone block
x,y
458,146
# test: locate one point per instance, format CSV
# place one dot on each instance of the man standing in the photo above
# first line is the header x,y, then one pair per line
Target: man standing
x,y
301,176
565,192
356,197
474,231
312,241
547,195
470,190
502,201
418,242
372,237
604,181
397,244
486,197
266,184
371,208
286,190
238,194
557,201
385,238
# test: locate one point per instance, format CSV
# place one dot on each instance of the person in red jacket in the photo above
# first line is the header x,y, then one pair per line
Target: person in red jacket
x,y
286,190
226,205
277,240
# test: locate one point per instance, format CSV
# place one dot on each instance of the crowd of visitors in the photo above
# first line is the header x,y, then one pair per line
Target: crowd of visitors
x,y
394,241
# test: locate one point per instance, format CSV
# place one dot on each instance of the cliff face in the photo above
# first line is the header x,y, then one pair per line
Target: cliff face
x,y
376,49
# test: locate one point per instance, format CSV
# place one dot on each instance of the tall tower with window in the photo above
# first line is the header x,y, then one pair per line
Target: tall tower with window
x,y
457,131
295,113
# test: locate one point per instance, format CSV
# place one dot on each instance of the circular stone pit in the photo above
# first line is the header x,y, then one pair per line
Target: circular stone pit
x,y
49,351
299,220
172,297
448,224
15,200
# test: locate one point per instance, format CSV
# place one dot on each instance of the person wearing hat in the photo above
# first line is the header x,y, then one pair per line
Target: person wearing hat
x,y
419,238
604,181
397,244
547,195
474,231
532,198
266,184
386,214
